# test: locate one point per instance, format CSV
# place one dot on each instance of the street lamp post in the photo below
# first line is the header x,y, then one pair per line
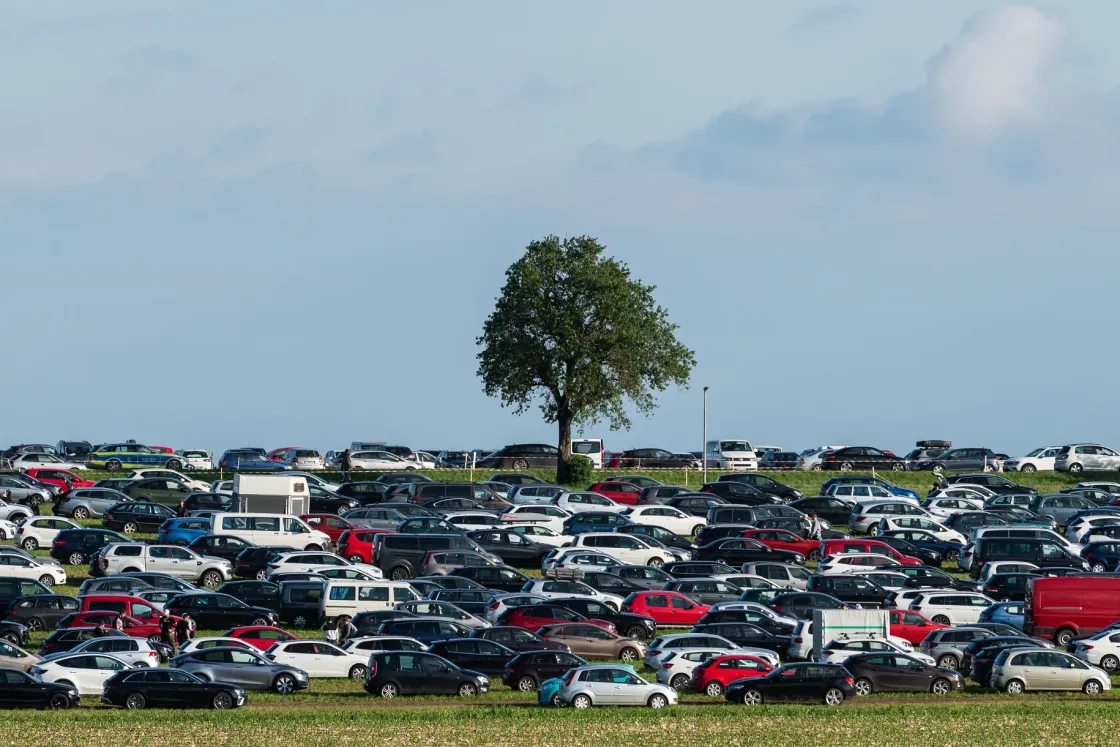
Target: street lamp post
x,y
704,450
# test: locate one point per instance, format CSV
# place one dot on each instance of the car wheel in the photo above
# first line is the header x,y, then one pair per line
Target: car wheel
x,y
940,620
814,555
655,562
468,690
637,632
526,684
863,686
846,467
223,702
260,621
59,702
130,527
834,697
46,580
873,529
521,464
581,702
34,623
30,544
211,579
697,529
77,558
80,513
1098,568
135,702
1092,687
752,697
948,661
714,689
1063,637
555,700
313,548
680,682
284,684
940,687
722,560
657,700
174,464
628,654
358,672
155,638
356,558
898,466
952,556
112,465
1014,687
1109,663
390,690
398,574
1075,468
343,509
299,621
1027,468
818,467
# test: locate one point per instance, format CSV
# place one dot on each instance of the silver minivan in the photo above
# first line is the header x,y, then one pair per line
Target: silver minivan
x,y
1018,670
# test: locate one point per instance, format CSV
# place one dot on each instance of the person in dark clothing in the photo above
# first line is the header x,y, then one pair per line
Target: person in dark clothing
x,y
184,629
167,631
344,465
101,631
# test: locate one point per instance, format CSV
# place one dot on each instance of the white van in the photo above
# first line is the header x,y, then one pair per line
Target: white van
x,y
270,529
592,448
351,596
730,454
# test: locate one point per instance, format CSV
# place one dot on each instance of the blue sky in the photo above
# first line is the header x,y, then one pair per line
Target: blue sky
x,y
277,223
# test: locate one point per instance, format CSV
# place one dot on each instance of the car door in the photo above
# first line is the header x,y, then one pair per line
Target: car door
x,y
247,669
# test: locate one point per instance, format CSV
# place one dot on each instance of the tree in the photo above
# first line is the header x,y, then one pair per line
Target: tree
x,y
573,330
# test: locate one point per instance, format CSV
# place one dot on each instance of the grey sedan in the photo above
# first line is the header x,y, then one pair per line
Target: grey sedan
x,y
21,492
373,518
83,503
238,666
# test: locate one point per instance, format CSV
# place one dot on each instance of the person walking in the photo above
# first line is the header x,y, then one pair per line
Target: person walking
x,y
345,465
184,629
118,623
167,631
814,528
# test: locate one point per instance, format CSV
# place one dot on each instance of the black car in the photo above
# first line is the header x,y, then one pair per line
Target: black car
x,y
849,589
713,532
611,583
929,557
521,457
75,546
747,635
252,562
214,611
657,494
651,459
644,576
1008,587
513,548
525,672
982,659
993,482
426,630
169,688
923,541
476,654
368,623
697,569
474,601
879,672
739,550
767,623
830,509
739,494
779,460
41,611
763,483
254,593
628,624
21,690
224,546
138,516
323,501
61,641
517,639
697,504
366,493
207,502
393,673
12,588
921,577
800,604
662,535
497,577
830,684
861,458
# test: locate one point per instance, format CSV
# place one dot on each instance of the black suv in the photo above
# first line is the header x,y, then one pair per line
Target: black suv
x,y
522,457
76,546
482,496
252,562
850,589
393,673
497,577
214,611
224,546
207,502
136,517
739,493
365,492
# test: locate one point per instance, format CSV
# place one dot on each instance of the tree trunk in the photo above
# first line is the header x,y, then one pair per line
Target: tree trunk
x,y
564,425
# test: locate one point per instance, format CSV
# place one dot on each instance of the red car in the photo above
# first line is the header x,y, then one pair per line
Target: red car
x,y
714,675
132,627
331,524
63,479
911,626
356,545
535,616
275,454
619,492
859,544
783,539
259,636
665,607
126,604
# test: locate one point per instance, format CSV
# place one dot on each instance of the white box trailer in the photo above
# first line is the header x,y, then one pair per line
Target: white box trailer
x,y
828,625
272,494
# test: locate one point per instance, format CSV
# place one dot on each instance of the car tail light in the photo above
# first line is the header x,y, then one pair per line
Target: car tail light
x,y
798,639
571,678
1086,646
494,605
829,651
849,680
861,518
776,607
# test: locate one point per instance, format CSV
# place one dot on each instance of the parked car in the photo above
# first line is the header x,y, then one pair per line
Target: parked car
x,y
393,673
592,685
87,673
897,672
830,684
212,610
243,668
1017,670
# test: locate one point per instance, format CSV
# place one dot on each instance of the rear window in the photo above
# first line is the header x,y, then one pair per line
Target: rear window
x,y
306,453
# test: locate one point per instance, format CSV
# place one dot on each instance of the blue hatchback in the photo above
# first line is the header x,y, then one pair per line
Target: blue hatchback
x,y
857,480
594,521
1008,613
183,531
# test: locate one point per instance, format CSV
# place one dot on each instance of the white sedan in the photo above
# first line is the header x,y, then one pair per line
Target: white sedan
x,y
140,474
553,589
320,659
943,508
937,529
198,644
576,503
472,520
195,459
666,517
136,652
36,461
552,517
86,672
313,562
541,534
381,460
838,651
23,567
1102,649
40,531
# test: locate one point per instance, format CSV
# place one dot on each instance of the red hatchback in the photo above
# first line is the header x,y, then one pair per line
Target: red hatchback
x,y
911,626
332,524
259,636
665,607
132,627
63,479
619,492
783,539
714,675
356,545
535,616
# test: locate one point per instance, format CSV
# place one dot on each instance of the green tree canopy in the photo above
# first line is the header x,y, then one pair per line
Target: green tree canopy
x,y
573,330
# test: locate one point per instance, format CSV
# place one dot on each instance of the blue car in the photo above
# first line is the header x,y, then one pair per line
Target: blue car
x,y
237,459
857,480
1008,613
595,521
1102,556
183,531
548,694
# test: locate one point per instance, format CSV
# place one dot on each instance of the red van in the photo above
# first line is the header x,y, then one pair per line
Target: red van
x,y
1063,607
840,546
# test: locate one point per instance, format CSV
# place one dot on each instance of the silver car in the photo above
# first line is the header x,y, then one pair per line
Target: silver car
x,y
1020,669
429,608
613,685
22,492
84,503
135,651
247,669
442,563
1078,458
374,518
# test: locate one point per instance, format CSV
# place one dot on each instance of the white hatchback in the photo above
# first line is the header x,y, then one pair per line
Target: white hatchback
x,y
666,517
552,517
576,503
86,672
320,659
951,607
137,652
19,566
541,534
40,531
677,667
936,528
852,562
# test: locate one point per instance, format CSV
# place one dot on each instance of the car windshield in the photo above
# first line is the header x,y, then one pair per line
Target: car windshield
x,y
734,446
1036,452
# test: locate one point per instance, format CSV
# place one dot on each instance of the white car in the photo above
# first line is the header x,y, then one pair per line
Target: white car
x,y
575,503
13,512
1004,566
943,508
1102,649
85,672
8,530
381,460
865,515
937,529
839,650
312,562
197,644
502,602
780,574
900,599
552,589
631,549
1081,530
552,517
199,485
472,520
966,490
320,659
584,559
887,579
40,531
851,562
426,460
33,568
666,517
758,607
951,607
38,461
313,479
810,459
136,652
368,644
543,535
677,666
1038,460
195,459
658,650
